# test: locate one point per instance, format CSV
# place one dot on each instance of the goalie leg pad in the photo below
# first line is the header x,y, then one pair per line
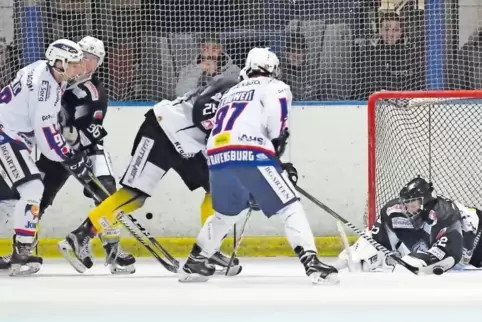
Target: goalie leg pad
x,y
124,200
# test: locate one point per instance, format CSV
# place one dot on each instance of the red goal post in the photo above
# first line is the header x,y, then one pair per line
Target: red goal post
x,y
435,134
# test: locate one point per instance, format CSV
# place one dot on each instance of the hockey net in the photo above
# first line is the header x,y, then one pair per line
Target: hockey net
x,y
434,134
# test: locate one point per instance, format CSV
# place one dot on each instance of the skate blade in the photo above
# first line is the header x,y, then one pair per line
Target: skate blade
x,y
331,279
233,271
122,270
192,278
24,270
69,254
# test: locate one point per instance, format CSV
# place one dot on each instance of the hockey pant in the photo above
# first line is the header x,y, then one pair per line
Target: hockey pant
x,y
231,188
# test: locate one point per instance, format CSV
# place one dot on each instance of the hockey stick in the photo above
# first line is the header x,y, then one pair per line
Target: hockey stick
x,y
373,242
141,234
131,224
237,242
476,239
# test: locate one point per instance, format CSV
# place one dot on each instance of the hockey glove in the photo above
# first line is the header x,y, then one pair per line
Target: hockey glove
x,y
80,165
280,142
291,171
71,135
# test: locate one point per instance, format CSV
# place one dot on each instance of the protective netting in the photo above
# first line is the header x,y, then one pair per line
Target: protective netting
x,y
330,49
437,138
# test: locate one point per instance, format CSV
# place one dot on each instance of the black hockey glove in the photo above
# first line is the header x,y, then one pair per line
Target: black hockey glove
x,y
280,142
291,171
80,165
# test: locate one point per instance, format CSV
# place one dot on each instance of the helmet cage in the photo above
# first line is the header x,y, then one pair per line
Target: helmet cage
x,y
412,208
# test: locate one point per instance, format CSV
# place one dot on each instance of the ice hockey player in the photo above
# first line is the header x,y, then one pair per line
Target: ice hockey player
x,y
171,137
84,106
243,149
29,108
425,229
84,109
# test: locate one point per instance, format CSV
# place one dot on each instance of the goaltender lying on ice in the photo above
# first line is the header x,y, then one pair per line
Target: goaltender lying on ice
x,y
423,229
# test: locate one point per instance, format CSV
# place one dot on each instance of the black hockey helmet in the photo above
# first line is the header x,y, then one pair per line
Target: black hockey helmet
x,y
416,194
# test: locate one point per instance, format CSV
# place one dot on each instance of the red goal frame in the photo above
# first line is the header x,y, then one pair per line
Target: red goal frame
x,y
371,110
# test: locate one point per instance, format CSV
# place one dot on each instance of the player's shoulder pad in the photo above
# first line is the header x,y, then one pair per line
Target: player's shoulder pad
x,y
393,214
218,85
392,207
90,90
38,79
279,86
445,208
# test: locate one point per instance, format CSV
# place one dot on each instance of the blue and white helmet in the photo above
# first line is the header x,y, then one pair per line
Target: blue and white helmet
x,y
64,50
261,60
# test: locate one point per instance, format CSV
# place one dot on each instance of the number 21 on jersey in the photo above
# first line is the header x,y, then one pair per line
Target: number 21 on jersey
x,y
226,116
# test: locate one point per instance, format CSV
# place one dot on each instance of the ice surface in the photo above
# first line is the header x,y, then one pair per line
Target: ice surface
x,y
273,289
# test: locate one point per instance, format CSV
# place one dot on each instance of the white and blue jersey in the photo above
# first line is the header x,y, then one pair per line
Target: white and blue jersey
x,y
29,108
241,157
250,115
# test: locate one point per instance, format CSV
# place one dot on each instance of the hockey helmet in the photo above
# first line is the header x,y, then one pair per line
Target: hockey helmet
x,y
93,46
260,61
64,50
416,194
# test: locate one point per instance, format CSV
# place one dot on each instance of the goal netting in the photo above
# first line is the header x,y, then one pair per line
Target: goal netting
x,y
437,135
330,49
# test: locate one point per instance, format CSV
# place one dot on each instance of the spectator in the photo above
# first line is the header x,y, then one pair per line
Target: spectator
x,y
209,63
469,67
390,63
303,78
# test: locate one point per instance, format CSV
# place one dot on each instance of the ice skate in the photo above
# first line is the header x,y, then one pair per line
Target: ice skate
x,y
22,261
119,261
5,262
318,272
76,250
197,267
220,260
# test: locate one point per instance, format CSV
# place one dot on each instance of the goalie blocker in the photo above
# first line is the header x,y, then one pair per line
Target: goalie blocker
x,y
427,230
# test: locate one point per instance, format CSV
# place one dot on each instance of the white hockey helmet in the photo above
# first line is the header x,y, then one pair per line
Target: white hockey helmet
x,y
261,60
94,47
64,50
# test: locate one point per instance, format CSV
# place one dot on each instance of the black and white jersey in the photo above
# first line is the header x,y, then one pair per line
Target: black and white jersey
x,y
85,106
437,232
187,121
